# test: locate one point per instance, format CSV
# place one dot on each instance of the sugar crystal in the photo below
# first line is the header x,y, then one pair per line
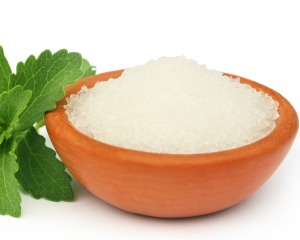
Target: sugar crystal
x,y
173,105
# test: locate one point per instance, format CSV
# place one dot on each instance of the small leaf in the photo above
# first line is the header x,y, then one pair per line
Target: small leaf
x,y
10,199
40,172
12,104
87,69
5,72
45,77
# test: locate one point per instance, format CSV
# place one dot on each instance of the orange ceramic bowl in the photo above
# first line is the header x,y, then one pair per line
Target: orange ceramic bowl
x,y
170,185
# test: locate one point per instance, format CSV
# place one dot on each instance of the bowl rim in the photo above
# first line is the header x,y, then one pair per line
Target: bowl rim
x,y
285,130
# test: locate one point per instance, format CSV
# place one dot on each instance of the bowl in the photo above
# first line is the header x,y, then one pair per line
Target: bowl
x,y
170,185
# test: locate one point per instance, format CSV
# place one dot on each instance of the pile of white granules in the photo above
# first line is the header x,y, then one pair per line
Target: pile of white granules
x,y
173,105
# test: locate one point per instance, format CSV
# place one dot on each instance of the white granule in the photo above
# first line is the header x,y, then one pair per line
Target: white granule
x,y
173,105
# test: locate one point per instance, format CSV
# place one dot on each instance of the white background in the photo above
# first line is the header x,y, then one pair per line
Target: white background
x,y
258,40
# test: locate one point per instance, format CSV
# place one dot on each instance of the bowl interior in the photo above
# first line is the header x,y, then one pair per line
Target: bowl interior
x,y
286,127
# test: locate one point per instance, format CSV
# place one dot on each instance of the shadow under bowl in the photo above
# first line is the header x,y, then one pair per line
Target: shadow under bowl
x,y
170,185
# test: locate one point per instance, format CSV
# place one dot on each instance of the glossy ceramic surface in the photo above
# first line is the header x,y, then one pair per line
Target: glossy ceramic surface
x,y
170,185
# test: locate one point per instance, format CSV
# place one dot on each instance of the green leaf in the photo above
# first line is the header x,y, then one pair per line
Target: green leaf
x,y
40,172
45,77
5,72
10,199
87,69
12,104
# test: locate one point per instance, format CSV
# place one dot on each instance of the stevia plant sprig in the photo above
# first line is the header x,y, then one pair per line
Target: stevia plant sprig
x,y
24,98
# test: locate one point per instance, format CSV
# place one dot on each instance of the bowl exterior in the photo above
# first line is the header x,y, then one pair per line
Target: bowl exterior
x,y
169,185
